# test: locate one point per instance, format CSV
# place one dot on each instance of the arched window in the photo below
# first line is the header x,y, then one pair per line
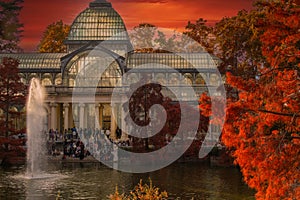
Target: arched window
x,y
174,79
199,80
188,79
160,78
33,75
71,82
131,78
46,82
111,76
93,69
58,79
23,80
214,79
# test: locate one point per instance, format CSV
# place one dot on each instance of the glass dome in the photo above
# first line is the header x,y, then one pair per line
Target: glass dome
x,y
98,22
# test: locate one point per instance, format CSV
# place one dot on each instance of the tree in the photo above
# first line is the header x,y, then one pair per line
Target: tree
x,y
239,43
53,38
10,27
12,95
262,128
235,40
147,38
142,37
138,108
202,34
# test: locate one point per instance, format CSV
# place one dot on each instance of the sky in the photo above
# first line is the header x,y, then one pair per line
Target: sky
x,y
36,15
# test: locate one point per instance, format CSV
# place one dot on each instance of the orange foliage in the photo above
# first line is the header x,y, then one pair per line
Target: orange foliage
x,y
262,126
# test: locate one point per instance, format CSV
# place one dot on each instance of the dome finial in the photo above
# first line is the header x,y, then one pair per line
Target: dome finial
x,y
100,3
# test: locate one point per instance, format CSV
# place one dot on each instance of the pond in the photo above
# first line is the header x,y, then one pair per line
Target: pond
x,y
181,181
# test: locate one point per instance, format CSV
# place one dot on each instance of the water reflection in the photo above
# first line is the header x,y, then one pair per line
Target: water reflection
x,y
181,181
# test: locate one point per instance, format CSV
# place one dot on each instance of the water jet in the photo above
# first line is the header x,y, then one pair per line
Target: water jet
x,y
36,130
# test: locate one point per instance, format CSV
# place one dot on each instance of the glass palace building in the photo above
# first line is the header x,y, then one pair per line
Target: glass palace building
x,y
99,27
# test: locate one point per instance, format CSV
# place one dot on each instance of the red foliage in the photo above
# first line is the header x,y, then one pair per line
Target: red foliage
x,y
150,94
12,99
262,126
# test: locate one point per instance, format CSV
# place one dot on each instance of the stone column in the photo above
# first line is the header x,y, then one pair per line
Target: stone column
x,y
97,115
113,123
86,112
101,107
53,115
81,115
124,135
71,125
48,117
66,115
124,127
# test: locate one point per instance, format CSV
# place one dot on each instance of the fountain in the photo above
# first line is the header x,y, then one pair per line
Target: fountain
x,y
36,137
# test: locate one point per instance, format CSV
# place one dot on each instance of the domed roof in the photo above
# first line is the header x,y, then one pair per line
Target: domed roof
x,y
98,22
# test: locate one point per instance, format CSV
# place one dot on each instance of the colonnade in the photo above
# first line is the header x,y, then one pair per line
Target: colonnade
x,y
66,115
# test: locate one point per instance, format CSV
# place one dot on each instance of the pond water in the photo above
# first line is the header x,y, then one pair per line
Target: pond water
x,y
180,180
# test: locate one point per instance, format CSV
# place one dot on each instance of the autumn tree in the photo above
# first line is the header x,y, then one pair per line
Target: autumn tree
x,y
239,45
262,124
12,97
53,38
235,40
141,98
201,33
142,37
10,26
138,109
147,38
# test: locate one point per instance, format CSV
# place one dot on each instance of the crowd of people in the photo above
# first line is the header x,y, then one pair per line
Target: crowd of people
x,y
79,143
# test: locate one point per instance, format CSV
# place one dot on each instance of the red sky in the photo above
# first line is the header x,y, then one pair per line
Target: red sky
x,y
174,14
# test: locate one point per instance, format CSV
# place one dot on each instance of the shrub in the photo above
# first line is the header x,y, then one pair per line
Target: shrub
x,y
141,192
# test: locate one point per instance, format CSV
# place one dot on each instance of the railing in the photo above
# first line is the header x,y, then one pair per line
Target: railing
x,y
51,90
83,90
